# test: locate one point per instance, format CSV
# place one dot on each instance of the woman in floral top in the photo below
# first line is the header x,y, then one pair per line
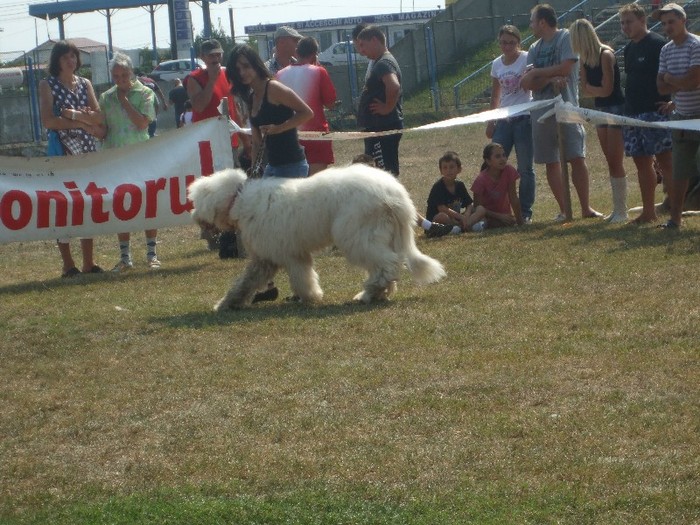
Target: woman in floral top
x,y
69,110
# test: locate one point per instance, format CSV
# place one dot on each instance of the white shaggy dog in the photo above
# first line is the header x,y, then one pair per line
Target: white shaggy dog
x,y
365,212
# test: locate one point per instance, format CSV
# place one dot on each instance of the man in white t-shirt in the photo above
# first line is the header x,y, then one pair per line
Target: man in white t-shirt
x,y
506,73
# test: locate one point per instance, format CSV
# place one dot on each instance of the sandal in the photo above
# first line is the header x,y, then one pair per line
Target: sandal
x,y
96,269
70,273
670,225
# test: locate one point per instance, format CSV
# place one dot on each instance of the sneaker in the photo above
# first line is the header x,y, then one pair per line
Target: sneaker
x,y
527,221
479,226
560,218
270,294
154,264
438,230
122,266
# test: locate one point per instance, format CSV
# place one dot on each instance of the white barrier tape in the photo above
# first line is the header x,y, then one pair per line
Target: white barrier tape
x,y
568,113
476,118
564,111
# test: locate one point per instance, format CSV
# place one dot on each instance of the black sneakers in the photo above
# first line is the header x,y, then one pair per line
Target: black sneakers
x,y
438,230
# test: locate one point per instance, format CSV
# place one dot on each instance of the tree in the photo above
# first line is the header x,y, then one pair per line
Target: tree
x,y
226,41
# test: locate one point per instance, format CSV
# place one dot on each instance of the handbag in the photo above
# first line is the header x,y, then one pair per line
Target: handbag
x,y
54,148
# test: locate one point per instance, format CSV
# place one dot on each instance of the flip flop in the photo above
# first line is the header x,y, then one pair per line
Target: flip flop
x,y
70,273
670,225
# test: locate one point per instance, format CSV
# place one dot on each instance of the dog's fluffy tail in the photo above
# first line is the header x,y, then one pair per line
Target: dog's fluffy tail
x,y
424,269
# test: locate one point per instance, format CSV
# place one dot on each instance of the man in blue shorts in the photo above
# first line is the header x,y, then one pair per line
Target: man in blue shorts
x,y
679,75
643,102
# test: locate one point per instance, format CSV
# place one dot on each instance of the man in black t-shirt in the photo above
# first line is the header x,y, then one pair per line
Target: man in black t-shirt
x,y
380,102
643,102
177,97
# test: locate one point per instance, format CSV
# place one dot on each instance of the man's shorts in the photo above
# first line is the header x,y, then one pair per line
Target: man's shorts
x,y
545,138
686,144
318,151
645,142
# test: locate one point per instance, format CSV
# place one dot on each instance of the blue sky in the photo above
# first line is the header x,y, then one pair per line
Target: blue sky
x,y
131,27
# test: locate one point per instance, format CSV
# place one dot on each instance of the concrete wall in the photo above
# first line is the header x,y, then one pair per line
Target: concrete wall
x,y
15,119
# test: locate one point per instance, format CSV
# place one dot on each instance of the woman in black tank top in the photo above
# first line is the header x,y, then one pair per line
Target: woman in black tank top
x,y
600,77
275,113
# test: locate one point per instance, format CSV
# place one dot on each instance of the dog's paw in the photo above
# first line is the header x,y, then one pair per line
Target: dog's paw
x,y
362,297
225,306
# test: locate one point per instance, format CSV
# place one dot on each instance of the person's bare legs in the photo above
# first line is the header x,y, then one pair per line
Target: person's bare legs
x,y
579,177
665,163
86,245
66,256
677,190
647,187
556,183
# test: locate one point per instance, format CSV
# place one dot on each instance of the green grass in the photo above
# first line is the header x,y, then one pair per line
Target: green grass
x,y
552,377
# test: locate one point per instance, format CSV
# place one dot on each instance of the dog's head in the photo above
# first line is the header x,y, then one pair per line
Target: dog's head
x,y
214,196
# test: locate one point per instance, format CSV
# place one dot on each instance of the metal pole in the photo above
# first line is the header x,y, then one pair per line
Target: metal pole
x,y
230,20
109,33
154,58
33,100
171,23
206,16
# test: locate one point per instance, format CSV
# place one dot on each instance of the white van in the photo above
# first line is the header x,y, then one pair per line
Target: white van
x,y
337,55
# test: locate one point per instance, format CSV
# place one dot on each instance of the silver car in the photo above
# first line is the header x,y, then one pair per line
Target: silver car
x,y
172,69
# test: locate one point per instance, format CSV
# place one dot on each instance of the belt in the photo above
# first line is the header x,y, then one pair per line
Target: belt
x,y
515,119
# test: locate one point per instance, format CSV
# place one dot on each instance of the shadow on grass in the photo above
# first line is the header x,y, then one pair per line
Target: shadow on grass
x,y
623,238
277,310
85,279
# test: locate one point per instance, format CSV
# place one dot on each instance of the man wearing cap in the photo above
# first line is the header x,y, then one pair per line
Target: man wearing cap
x,y
679,75
285,39
206,87
210,84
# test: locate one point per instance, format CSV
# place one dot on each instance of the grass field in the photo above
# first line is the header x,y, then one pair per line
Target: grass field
x,y
552,377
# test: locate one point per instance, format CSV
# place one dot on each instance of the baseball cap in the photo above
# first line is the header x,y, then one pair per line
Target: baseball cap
x,y
211,46
287,31
668,8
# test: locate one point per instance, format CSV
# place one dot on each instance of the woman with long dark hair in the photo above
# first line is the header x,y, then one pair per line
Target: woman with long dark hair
x,y
275,113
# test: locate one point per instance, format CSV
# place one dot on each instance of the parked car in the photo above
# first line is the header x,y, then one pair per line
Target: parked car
x,y
337,55
172,69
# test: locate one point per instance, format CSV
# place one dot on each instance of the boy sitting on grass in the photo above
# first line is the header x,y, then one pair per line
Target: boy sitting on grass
x,y
449,201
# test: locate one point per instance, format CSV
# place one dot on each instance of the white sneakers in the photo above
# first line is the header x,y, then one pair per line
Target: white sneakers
x,y
125,266
154,264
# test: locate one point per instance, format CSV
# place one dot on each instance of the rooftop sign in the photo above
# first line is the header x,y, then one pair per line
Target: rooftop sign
x,y
343,22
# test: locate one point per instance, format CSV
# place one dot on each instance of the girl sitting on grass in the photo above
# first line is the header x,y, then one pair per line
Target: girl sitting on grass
x,y
495,189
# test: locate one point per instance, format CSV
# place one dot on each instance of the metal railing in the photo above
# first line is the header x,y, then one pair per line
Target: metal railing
x,y
473,77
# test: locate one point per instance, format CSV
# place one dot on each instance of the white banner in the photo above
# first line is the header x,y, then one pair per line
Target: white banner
x,y
128,189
